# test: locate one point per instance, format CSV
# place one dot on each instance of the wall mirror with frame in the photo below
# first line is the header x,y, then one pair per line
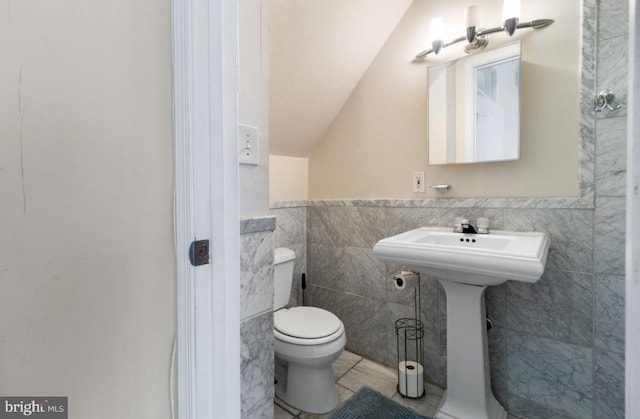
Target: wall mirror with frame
x,y
474,108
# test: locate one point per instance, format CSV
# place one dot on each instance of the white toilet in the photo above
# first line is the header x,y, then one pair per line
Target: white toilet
x,y
307,342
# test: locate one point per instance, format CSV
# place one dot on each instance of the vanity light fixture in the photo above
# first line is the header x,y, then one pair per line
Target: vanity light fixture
x,y
476,38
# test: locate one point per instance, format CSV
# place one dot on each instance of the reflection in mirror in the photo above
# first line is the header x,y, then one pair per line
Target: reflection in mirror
x,y
474,108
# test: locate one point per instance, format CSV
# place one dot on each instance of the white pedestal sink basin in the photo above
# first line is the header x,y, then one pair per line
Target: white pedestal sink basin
x,y
465,264
475,259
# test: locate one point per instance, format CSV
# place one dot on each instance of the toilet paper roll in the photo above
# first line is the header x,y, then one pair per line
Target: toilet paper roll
x,y
406,279
410,378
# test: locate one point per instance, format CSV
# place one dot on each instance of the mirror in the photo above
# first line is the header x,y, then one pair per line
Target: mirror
x,y
474,108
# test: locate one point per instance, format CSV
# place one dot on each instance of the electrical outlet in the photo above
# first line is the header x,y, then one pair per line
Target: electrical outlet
x,y
418,182
248,145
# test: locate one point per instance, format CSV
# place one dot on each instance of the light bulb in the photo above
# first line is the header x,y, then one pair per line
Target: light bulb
x,y
470,23
510,9
437,28
471,17
437,32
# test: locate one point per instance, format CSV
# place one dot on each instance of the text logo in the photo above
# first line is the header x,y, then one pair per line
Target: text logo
x,y
33,407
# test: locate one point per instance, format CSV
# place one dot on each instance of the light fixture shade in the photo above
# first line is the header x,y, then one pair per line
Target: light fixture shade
x,y
470,23
471,17
510,9
437,29
437,33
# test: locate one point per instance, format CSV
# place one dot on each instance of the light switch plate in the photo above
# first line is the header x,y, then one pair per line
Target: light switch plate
x,y
418,182
248,145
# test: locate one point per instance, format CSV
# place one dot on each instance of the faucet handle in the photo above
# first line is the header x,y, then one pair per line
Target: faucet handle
x,y
483,225
457,225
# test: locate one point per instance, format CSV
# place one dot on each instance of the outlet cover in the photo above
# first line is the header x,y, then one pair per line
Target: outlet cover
x,y
248,145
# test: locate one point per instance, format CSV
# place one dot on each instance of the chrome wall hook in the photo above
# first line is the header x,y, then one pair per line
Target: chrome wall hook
x,y
605,99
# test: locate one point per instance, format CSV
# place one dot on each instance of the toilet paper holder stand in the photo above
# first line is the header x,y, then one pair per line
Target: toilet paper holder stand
x,y
410,346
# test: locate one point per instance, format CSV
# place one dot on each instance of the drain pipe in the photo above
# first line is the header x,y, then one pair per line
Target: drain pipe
x,y
304,289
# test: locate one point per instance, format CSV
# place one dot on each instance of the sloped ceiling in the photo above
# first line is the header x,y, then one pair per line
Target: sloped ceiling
x,y
318,51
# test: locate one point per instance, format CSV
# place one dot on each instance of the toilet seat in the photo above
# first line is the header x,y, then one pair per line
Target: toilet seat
x,y
306,325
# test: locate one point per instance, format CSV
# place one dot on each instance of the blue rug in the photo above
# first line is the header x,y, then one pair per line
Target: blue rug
x,y
369,404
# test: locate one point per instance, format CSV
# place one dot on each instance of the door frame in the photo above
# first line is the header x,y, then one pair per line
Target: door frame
x,y
205,63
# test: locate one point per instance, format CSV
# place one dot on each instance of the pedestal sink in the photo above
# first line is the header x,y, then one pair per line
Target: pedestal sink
x,y
465,264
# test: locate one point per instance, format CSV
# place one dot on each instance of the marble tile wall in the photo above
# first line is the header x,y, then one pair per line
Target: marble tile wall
x,y
609,214
546,335
256,317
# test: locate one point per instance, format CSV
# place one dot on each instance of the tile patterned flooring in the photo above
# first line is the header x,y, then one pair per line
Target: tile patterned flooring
x,y
352,372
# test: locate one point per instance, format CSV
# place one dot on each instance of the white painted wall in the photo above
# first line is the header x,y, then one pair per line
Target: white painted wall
x,y
380,135
87,278
318,51
253,103
288,178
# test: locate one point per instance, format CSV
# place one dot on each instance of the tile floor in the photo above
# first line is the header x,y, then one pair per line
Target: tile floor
x,y
352,372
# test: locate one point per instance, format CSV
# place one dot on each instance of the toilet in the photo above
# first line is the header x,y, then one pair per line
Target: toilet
x,y
308,340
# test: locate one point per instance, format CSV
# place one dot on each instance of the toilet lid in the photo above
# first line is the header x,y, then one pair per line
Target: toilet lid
x,y
306,322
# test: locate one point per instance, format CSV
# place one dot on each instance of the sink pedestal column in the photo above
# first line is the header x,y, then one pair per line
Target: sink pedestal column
x,y
469,394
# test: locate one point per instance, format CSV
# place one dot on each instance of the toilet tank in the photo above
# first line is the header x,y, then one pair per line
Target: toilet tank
x,y
283,260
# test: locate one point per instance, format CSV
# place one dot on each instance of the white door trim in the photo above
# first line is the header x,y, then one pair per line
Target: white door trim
x,y
632,295
205,51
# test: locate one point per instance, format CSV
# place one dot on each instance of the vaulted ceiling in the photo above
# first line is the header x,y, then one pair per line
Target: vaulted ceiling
x,y
318,51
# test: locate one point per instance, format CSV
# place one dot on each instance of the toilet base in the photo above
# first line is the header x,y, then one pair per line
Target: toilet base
x,y
309,389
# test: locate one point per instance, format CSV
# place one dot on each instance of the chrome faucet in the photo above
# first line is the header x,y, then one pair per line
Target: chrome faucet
x,y
462,225
467,228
